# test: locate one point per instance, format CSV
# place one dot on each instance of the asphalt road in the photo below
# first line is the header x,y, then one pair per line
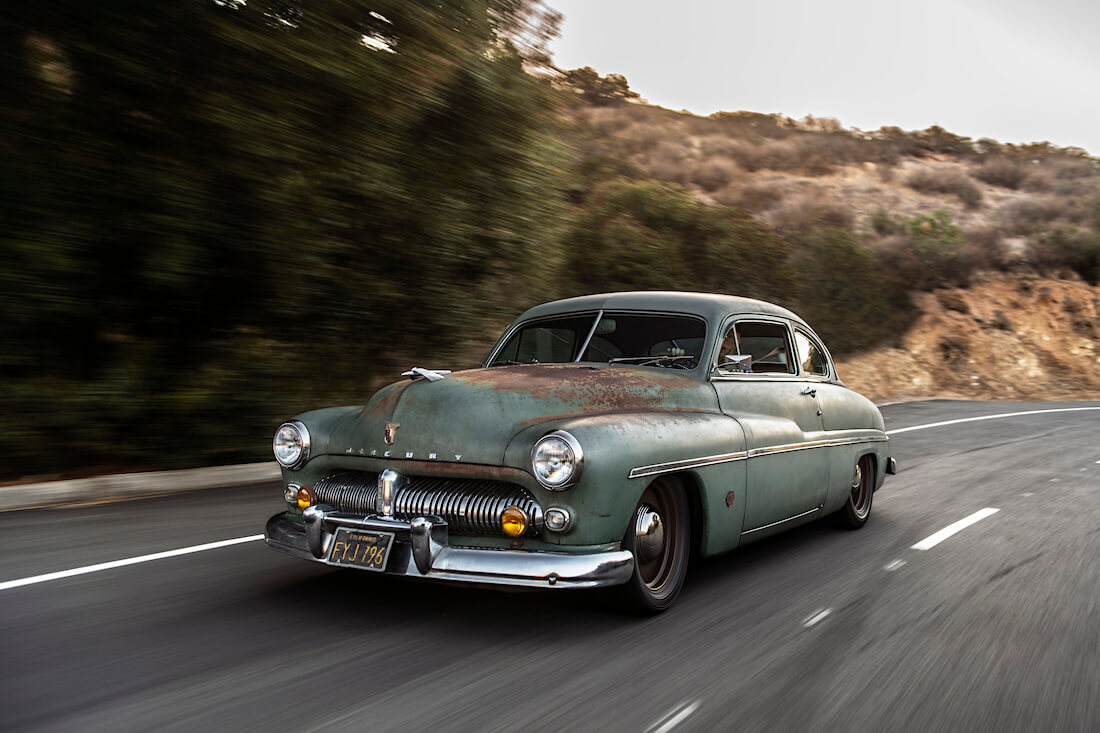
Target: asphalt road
x,y
996,628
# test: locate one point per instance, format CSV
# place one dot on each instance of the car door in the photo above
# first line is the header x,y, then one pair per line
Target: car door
x,y
758,383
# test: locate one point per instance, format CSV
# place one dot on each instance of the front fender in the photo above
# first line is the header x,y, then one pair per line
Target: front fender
x,y
616,444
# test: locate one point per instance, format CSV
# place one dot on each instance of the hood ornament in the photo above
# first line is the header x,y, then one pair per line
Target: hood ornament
x,y
391,432
432,375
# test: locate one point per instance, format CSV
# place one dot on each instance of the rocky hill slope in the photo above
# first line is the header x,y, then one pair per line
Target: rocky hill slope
x,y
1004,338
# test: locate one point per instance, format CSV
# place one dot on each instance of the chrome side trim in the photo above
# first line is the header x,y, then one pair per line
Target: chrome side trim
x,y
789,448
850,441
658,468
781,521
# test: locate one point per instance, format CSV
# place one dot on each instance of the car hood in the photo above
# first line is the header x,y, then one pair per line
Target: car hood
x,y
471,416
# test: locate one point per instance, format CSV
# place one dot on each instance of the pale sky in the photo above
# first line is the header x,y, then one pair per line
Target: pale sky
x,y
1013,70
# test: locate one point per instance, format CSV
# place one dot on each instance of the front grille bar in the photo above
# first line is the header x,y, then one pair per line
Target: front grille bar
x,y
468,506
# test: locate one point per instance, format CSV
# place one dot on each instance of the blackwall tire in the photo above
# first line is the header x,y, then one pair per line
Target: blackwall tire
x,y
660,565
857,509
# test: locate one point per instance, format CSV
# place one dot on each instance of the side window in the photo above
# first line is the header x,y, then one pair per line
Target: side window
x,y
756,348
810,355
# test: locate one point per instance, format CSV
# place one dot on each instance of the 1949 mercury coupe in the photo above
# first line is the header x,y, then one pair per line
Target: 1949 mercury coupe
x,y
605,439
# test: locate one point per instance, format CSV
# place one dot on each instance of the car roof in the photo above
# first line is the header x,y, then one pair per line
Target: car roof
x,y
711,306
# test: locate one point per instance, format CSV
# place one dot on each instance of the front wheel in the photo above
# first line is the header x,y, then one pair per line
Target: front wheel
x,y
858,507
659,537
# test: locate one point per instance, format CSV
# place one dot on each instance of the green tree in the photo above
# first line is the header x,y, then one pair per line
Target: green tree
x,y
843,294
650,235
937,242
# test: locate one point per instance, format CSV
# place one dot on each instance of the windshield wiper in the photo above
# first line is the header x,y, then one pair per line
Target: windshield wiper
x,y
647,360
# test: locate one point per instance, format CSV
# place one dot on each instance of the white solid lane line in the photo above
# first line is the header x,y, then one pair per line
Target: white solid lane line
x,y
988,417
128,561
668,723
932,540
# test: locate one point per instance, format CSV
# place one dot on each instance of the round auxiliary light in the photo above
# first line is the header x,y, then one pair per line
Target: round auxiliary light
x,y
557,519
291,444
557,460
513,521
307,497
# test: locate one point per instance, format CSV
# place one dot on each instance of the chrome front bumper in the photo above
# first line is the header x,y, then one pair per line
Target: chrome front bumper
x,y
420,550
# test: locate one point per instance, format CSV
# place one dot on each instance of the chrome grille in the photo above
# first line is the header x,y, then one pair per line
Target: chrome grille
x,y
468,506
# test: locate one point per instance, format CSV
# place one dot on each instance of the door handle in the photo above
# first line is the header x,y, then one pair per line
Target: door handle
x,y
810,391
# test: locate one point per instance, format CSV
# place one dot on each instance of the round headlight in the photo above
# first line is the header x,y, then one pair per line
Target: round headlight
x,y
557,460
291,444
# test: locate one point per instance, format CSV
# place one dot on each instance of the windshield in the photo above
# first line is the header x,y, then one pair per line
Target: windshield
x,y
670,341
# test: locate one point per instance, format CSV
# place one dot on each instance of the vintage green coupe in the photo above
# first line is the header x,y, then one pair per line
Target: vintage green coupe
x,y
605,440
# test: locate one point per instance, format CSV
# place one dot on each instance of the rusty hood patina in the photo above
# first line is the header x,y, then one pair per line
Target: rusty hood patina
x,y
471,416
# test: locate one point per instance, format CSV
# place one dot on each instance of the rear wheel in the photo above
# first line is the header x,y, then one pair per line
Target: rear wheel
x,y
858,507
659,537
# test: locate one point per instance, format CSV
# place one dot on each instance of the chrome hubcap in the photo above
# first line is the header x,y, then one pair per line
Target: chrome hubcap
x,y
649,534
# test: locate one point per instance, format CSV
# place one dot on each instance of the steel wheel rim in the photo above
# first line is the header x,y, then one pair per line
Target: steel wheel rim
x,y
657,573
861,493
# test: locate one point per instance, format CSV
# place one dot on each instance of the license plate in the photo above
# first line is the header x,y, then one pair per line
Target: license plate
x,y
360,548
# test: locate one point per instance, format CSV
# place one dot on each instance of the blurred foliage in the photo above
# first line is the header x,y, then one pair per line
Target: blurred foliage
x,y
219,213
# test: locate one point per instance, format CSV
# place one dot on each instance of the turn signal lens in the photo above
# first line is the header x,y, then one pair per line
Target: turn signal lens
x,y
306,497
513,521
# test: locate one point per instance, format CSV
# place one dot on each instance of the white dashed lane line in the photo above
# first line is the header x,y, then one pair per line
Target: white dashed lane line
x,y
816,617
674,718
128,561
932,540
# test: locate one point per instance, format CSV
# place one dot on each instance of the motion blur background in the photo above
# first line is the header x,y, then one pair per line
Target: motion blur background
x,y
219,213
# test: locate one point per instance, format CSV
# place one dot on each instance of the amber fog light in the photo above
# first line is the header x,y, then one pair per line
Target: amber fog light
x,y
513,521
558,519
306,497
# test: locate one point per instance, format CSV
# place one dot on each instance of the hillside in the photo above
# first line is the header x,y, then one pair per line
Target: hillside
x,y
982,257
1004,338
